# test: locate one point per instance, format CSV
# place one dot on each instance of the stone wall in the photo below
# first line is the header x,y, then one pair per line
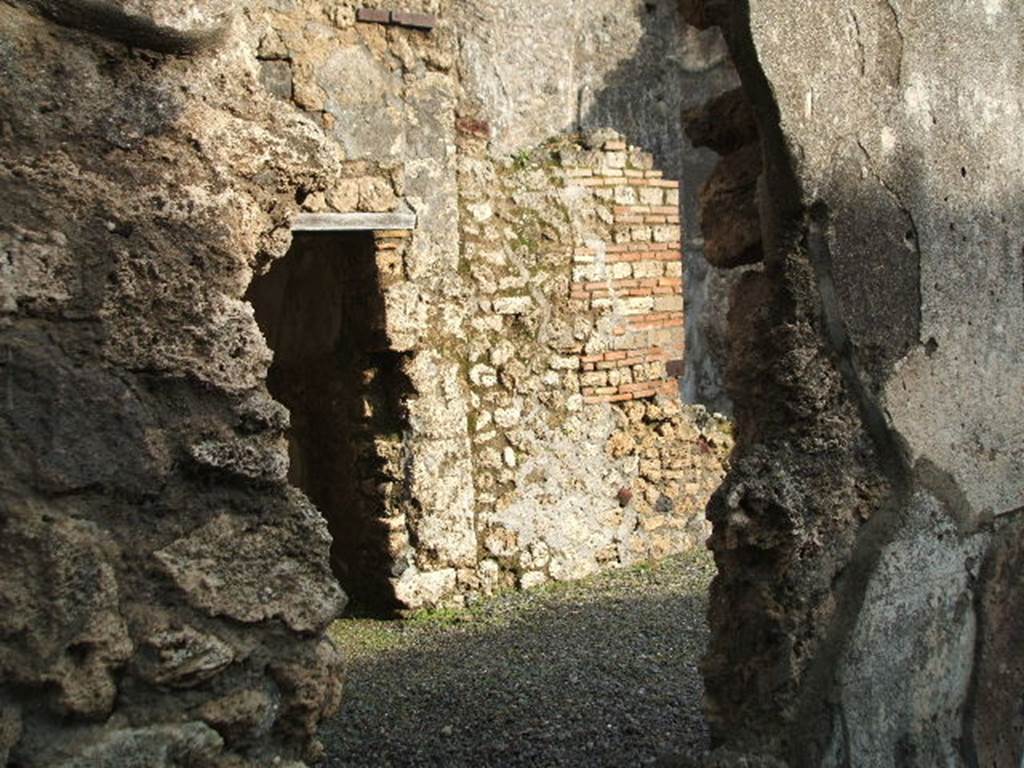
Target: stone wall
x,y
534,68
867,530
164,591
574,254
386,94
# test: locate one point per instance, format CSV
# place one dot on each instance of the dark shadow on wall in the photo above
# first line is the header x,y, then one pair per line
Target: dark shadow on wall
x,y
674,69
852,275
321,310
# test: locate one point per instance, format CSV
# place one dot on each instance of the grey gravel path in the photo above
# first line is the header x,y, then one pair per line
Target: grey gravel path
x,y
597,673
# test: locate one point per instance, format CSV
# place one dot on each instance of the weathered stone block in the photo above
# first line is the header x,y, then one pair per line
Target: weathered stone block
x,y
188,743
61,616
483,375
733,238
651,196
648,269
241,715
513,305
183,657
252,572
256,458
73,421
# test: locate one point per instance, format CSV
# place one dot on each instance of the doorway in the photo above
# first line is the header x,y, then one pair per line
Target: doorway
x,y
321,311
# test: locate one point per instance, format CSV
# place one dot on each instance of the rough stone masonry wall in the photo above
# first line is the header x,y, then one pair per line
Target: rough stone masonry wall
x,y
574,253
536,68
393,101
164,593
867,608
164,590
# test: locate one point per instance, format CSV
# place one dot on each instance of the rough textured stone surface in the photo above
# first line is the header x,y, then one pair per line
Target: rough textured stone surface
x,y
172,26
182,657
61,625
138,192
181,746
251,572
864,531
994,728
724,124
732,228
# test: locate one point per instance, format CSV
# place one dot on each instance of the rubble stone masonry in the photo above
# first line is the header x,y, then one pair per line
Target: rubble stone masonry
x,y
574,252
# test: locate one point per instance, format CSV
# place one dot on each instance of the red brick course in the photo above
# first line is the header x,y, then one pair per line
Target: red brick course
x,y
647,238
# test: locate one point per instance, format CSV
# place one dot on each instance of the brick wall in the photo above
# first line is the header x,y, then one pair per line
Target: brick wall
x,y
584,456
633,277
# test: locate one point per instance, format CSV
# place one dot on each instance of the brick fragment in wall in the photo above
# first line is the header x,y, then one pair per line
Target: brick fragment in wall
x,y
373,16
470,126
619,180
424,21
635,254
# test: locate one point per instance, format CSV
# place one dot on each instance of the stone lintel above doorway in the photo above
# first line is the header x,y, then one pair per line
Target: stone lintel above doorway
x,y
353,222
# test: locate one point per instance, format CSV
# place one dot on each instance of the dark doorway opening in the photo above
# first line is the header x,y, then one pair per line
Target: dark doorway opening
x,y
321,310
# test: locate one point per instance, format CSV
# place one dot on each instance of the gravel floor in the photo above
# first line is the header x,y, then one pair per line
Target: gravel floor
x,y
597,673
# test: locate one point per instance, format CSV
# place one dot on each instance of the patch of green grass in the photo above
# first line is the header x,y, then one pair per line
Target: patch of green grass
x,y
439,617
521,160
366,637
